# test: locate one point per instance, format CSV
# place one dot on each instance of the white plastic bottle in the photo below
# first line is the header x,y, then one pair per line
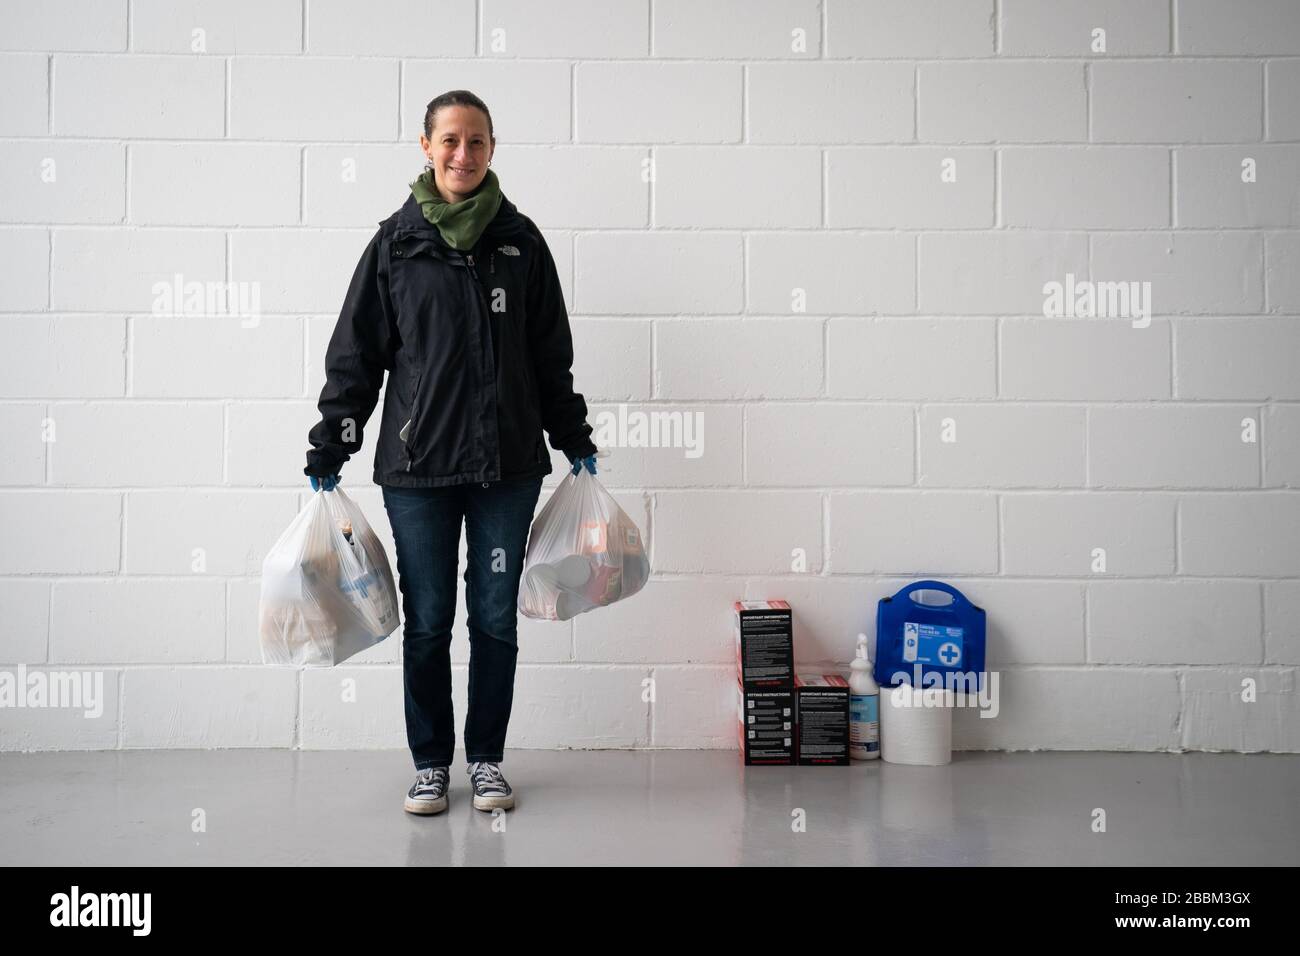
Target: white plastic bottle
x,y
864,707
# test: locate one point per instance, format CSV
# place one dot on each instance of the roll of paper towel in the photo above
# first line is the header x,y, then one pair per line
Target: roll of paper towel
x,y
916,725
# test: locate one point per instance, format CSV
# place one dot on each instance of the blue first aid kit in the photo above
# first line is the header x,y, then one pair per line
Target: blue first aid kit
x,y
929,645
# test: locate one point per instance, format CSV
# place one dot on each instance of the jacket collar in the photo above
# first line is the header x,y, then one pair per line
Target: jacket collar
x,y
411,222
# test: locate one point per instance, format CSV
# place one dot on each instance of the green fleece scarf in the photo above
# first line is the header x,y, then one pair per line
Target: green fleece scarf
x,y
461,223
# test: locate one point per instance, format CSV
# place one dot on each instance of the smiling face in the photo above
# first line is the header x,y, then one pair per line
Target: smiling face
x,y
459,150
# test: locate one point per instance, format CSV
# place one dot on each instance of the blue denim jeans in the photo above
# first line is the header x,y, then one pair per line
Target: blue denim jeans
x,y
426,526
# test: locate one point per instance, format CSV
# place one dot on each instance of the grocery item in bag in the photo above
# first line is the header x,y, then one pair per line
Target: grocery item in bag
x,y
327,588
584,552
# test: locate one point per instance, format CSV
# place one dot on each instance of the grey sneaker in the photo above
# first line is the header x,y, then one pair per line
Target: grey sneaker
x,y
490,788
429,792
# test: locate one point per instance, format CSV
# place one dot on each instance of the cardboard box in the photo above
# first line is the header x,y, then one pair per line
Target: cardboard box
x,y
766,726
821,720
764,633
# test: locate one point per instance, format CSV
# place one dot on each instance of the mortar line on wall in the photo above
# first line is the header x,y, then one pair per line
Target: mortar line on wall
x,y
916,445
302,180
826,567
654,371
1178,536
916,273
1263,625
1263,79
49,623
825,37
997,26
1173,27
1260,438
744,104
901,60
650,27
478,31
998,515
744,274
826,358
121,705
128,363
1181,677
225,89
651,194
49,90
1087,634
723,575
744,445
1087,97
1087,446
648,169
1263,250
1173,189
225,443
360,232
573,102
997,358
46,465
997,189
825,187
121,533
1173,364
128,155
306,357
302,26
225,610
916,102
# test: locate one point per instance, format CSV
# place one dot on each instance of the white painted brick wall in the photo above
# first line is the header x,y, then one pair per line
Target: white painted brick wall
x,y
822,226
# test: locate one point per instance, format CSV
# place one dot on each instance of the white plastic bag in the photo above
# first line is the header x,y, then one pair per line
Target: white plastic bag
x,y
325,598
584,552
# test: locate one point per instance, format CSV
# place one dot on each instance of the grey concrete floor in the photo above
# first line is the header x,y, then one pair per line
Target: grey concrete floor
x,y
650,807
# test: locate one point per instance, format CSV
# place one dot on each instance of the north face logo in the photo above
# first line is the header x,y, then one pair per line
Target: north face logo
x,y
508,250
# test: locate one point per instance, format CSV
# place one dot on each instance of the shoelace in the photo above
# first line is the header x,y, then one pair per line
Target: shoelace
x,y
433,775
487,776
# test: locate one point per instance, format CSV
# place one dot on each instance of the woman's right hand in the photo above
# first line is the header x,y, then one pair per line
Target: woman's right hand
x,y
326,483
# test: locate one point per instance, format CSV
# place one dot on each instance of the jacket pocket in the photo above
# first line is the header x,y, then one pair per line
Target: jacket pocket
x,y
407,433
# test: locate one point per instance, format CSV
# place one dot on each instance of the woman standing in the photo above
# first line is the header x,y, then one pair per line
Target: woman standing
x,y
457,298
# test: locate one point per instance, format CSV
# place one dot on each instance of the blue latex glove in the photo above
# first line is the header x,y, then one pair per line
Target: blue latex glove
x,y
589,462
326,483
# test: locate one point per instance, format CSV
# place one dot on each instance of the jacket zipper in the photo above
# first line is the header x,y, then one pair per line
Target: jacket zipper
x,y
487,312
409,427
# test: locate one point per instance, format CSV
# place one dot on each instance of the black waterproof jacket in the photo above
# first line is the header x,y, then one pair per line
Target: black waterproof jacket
x,y
478,350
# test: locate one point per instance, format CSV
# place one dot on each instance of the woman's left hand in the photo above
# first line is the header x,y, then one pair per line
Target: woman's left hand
x,y
589,463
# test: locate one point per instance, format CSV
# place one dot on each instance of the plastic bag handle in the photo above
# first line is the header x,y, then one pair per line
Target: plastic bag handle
x,y
957,596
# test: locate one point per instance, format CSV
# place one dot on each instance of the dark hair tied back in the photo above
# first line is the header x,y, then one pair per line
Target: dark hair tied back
x,y
455,98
